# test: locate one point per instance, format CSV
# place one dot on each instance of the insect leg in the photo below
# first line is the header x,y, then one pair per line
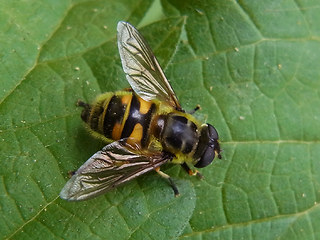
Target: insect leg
x,y
172,184
71,173
128,89
195,109
190,172
82,104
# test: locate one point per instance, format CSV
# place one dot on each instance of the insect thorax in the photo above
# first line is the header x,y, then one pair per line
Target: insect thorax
x,y
177,133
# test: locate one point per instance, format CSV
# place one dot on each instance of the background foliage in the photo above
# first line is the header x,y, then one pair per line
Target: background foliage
x,y
252,65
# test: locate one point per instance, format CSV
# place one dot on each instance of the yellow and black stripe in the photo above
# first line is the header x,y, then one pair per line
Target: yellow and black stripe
x,y
138,121
122,115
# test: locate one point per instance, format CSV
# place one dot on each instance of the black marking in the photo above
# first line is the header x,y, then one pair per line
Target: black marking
x,y
114,114
180,119
174,141
190,138
188,147
134,117
147,121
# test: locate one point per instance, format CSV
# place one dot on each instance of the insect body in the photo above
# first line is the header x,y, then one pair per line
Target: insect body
x,y
147,126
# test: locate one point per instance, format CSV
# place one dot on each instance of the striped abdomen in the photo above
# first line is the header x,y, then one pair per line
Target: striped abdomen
x,y
120,116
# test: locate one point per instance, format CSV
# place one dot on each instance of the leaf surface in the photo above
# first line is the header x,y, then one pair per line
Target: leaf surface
x,y
253,67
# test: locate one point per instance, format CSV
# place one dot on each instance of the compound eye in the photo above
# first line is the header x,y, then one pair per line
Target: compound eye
x,y
213,134
208,146
206,158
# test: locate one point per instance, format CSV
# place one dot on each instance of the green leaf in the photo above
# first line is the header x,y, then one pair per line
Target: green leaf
x,y
253,67
256,65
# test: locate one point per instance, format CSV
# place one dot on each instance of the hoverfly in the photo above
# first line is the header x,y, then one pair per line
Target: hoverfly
x,y
147,125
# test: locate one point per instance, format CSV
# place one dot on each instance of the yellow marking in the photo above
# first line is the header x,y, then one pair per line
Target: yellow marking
x,y
181,158
136,135
116,131
195,173
126,99
144,106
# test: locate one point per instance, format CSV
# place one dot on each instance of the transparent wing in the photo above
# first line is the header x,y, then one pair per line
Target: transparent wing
x,y
142,69
108,168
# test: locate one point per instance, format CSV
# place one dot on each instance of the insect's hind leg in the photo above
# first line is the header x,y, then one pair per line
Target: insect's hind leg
x,y
172,184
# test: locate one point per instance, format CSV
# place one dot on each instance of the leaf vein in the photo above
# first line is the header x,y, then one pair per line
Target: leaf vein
x,y
33,218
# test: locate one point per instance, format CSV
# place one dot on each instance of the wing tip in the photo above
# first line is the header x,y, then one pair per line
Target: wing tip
x,y
121,25
64,194
68,191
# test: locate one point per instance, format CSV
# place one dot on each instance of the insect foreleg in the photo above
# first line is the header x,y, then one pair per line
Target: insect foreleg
x,y
191,172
